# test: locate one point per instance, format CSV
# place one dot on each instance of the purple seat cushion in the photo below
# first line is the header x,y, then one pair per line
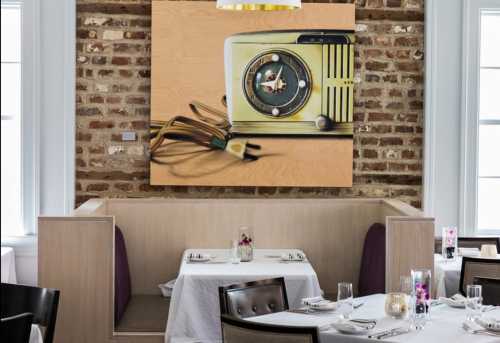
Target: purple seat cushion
x,y
372,271
123,289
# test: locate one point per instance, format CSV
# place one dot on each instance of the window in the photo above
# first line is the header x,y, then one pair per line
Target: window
x,y
480,166
19,117
11,215
488,177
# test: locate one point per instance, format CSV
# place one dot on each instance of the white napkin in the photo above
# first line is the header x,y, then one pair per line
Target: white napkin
x,y
198,257
489,323
457,300
297,256
349,328
469,252
313,300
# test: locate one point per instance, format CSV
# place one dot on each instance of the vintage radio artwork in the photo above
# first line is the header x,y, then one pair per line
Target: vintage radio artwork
x,y
290,82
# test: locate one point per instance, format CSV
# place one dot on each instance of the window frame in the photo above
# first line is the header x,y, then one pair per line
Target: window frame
x,y
470,120
30,110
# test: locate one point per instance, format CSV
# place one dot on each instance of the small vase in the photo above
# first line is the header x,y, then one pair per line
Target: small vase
x,y
421,297
245,252
449,243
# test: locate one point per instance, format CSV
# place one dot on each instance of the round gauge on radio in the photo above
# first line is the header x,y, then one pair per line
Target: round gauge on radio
x,y
277,83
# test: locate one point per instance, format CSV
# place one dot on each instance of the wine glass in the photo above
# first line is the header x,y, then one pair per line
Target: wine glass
x,y
345,299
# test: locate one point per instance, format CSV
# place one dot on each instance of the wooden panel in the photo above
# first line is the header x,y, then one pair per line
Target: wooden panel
x,y
75,255
331,232
187,65
409,245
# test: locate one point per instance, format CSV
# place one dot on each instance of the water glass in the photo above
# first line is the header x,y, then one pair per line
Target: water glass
x,y
474,302
233,252
345,299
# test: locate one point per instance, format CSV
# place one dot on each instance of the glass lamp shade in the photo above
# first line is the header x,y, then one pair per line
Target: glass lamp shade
x,y
258,5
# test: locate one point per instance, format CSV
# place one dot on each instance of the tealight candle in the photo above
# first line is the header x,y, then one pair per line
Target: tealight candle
x,y
396,305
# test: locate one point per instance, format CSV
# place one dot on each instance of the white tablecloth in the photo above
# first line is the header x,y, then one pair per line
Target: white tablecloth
x,y
446,275
36,334
8,271
445,326
194,314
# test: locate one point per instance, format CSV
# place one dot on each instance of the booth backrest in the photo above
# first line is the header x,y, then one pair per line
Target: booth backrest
x,y
330,231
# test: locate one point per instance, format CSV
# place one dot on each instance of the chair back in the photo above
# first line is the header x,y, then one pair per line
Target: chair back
x,y
235,330
490,290
17,329
473,267
42,302
477,242
253,298
372,271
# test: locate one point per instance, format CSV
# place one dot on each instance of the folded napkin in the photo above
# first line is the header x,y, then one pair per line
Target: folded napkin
x,y
457,300
313,300
295,256
349,328
198,257
489,323
469,252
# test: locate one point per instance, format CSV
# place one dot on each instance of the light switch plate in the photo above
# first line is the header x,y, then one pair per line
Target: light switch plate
x,y
128,136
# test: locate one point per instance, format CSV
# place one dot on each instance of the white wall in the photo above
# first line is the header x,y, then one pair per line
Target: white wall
x,y
443,89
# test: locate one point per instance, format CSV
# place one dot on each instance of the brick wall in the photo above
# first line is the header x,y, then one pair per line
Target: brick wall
x,y
113,95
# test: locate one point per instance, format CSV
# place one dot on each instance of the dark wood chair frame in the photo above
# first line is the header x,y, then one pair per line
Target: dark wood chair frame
x,y
491,240
23,322
42,302
465,260
224,307
486,280
246,324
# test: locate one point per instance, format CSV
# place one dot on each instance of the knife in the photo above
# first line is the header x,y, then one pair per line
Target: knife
x,y
389,333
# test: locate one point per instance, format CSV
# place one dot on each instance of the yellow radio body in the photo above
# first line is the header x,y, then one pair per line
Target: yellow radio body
x,y
290,82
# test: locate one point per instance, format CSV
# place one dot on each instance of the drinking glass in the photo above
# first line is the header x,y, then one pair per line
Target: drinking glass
x,y
474,302
405,288
345,299
233,252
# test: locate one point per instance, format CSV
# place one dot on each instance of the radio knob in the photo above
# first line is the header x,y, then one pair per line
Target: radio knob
x,y
323,123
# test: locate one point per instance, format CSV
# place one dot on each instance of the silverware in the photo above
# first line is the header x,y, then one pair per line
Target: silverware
x,y
388,333
358,305
471,330
366,324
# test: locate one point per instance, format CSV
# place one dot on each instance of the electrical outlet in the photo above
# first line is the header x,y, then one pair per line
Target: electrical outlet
x,y
128,136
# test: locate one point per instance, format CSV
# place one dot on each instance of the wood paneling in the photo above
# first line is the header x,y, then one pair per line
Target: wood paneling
x,y
188,64
75,255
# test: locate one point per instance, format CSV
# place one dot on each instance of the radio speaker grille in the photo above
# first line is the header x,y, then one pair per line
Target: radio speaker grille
x,y
338,82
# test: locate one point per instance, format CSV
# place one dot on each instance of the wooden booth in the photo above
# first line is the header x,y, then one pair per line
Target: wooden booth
x,y
77,252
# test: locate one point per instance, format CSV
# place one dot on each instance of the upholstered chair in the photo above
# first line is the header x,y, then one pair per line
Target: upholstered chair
x,y
490,290
253,298
42,302
235,330
17,329
477,267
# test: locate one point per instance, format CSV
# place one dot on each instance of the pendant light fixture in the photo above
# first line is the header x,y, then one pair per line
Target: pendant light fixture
x,y
258,5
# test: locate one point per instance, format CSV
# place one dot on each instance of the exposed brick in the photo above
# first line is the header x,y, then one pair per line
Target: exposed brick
x,y
113,94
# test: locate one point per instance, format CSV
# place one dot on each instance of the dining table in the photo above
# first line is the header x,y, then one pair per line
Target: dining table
x,y
194,314
443,326
447,275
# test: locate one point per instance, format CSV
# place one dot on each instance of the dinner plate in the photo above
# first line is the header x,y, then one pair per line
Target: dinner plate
x,y
455,301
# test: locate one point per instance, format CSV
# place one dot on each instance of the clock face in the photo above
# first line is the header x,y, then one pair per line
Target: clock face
x,y
277,83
